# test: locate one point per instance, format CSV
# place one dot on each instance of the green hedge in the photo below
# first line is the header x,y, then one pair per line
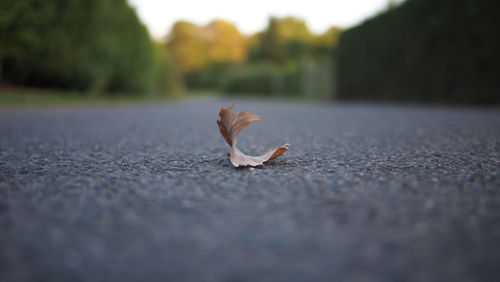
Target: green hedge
x,y
309,77
424,50
262,79
92,45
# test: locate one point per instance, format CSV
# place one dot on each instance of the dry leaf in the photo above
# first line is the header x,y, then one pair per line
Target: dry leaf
x,y
230,125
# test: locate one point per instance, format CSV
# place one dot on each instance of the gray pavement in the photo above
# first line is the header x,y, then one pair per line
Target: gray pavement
x,y
147,193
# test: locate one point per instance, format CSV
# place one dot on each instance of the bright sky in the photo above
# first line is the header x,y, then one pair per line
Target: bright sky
x,y
252,15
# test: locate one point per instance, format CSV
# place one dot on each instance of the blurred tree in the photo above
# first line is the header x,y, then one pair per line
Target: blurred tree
x,y
294,29
296,37
281,60
167,79
195,48
253,43
188,47
225,43
80,44
271,47
284,39
326,43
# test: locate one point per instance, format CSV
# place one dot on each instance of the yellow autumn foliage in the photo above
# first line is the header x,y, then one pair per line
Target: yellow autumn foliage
x,y
195,47
293,29
225,43
188,47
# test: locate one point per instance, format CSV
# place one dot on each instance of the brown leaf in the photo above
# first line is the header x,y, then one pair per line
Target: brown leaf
x,y
230,125
238,159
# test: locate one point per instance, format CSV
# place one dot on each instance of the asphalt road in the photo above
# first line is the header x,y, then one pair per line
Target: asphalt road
x,y
147,193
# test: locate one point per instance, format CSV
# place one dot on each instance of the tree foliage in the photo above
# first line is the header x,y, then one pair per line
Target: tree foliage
x,y
167,80
188,47
326,43
225,43
195,48
284,39
96,45
284,59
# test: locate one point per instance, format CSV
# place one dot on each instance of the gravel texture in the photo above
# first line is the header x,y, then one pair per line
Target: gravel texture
x,y
147,193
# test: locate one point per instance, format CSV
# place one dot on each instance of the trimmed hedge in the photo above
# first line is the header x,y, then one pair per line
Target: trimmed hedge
x,y
262,79
424,50
92,45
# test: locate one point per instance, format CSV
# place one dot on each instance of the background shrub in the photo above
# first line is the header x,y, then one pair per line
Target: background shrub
x,y
91,45
423,50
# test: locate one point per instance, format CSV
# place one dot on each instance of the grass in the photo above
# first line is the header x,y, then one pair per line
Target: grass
x,y
14,97
26,97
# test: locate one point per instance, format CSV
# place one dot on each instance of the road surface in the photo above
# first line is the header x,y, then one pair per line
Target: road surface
x,y
147,193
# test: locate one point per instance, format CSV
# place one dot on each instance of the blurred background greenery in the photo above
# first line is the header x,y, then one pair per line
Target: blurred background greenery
x,y
417,51
424,50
